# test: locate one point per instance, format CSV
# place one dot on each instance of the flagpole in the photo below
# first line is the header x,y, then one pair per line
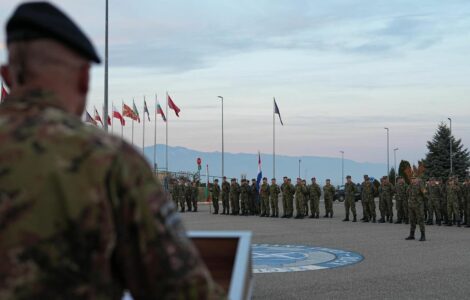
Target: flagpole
x,y
132,126
111,118
105,115
155,138
167,121
274,139
207,187
122,126
143,131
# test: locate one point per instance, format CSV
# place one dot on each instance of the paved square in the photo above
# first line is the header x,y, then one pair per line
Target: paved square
x,y
392,267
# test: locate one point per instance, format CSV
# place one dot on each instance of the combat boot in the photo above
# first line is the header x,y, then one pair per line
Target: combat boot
x,y
423,237
331,215
311,217
382,220
407,222
346,219
411,237
438,222
398,222
354,219
391,220
468,226
373,220
326,215
365,220
458,223
317,216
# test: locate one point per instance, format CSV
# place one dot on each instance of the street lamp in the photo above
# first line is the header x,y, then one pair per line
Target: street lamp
x,y
342,167
450,146
388,150
299,166
223,151
105,109
395,160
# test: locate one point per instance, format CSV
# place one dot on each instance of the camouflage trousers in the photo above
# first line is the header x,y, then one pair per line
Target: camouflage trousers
x,y
328,205
350,204
402,210
235,204
305,209
181,201
299,206
416,214
189,203
467,210
315,206
453,210
284,205
290,206
215,204
386,207
426,208
175,200
434,209
194,202
264,206
369,208
225,204
274,201
244,204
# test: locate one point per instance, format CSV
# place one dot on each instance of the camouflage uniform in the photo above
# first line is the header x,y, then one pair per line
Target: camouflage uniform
x,y
244,197
306,196
264,196
350,200
386,191
254,201
434,201
314,196
401,199
235,197
274,192
467,202
174,193
225,198
299,199
284,199
215,197
453,198
368,191
194,195
182,196
188,193
416,208
83,216
328,197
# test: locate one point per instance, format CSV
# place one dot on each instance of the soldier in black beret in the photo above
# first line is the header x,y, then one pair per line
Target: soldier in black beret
x,y
83,216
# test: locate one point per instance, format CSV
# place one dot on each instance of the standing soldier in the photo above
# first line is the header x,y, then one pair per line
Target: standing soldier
x,y
443,201
350,198
195,195
328,197
368,192
254,198
467,202
174,193
284,197
386,201
181,195
290,200
264,195
306,196
215,195
274,192
453,195
299,199
244,197
225,196
188,192
434,194
416,208
314,196
235,197
401,199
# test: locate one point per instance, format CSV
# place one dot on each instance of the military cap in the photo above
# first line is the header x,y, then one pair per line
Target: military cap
x,y
216,180
348,177
225,177
313,178
366,176
264,178
42,20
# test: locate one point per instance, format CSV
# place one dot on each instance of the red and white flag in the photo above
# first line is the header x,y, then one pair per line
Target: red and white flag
x,y
173,106
118,115
97,117
4,93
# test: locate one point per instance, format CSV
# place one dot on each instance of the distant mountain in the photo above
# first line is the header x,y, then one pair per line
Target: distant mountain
x,y
236,164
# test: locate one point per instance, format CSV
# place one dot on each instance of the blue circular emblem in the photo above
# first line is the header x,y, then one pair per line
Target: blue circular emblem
x,y
269,258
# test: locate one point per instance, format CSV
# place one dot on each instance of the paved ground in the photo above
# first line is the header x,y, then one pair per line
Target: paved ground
x,y
392,269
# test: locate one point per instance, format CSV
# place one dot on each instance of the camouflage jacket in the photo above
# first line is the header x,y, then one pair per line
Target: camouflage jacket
x,y
434,192
300,190
368,191
329,192
234,190
387,190
82,215
264,190
274,191
401,192
453,193
225,189
215,191
415,195
350,190
314,191
245,191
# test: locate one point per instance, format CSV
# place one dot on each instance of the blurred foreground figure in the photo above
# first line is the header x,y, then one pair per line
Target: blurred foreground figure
x,y
81,214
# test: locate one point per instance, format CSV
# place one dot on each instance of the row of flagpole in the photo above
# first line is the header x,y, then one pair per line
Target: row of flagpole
x,y
133,114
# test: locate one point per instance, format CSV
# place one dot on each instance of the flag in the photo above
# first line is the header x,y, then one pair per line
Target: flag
x,y
129,113
89,119
276,111
117,115
260,173
136,112
160,111
4,93
97,117
146,110
109,121
173,106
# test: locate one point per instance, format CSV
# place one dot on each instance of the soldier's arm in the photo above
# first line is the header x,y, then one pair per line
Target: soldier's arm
x,y
152,258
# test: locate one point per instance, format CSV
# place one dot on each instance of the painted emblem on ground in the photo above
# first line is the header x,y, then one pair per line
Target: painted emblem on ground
x,y
269,258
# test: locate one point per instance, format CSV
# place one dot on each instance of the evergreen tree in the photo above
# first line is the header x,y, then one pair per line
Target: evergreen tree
x,y
405,171
392,176
437,161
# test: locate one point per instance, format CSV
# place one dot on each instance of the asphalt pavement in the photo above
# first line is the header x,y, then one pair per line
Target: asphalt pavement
x,y
392,267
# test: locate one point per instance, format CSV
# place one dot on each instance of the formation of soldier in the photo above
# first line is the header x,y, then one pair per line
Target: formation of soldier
x,y
185,195
418,204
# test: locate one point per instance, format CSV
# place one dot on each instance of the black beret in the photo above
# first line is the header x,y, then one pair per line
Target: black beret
x,y
38,20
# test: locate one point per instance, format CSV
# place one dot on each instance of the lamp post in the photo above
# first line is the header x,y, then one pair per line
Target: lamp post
x,y
342,167
223,150
105,109
395,160
450,146
388,150
300,161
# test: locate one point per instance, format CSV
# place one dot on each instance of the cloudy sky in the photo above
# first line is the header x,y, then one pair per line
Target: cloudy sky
x,y
341,71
